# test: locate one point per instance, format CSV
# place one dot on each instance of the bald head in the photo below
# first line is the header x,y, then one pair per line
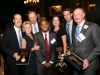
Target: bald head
x,y
32,17
79,15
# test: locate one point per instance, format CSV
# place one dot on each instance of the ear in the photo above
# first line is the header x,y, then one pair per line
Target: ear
x,y
84,15
13,20
71,14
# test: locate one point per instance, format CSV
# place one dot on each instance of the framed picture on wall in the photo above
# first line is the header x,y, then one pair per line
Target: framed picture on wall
x,y
55,10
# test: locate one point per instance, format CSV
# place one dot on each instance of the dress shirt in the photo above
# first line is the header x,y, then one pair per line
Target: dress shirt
x,y
36,25
70,29
16,30
48,43
81,25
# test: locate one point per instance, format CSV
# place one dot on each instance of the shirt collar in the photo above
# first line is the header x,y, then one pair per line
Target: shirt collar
x,y
35,23
70,22
16,28
81,24
45,33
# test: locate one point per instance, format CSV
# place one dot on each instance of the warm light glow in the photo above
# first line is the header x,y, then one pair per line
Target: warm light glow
x,y
31,2
92,5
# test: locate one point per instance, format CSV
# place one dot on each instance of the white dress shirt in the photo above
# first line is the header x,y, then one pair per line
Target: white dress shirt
x,y
16,30
70,30
35,25
81,25
48,43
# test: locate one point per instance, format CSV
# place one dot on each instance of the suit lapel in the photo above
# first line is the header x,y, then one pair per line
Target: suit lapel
x,y
73,32
15,36
42,38
50,38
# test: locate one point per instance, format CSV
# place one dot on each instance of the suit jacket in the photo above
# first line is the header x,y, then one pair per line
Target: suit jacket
x,y
41,53
89,48
10,45
64,25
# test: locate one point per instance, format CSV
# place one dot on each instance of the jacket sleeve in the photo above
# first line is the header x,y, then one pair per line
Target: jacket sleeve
x,y
95,35
5,44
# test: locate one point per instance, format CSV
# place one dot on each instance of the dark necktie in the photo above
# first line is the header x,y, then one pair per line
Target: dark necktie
x,y
19,38
47,47
77,32
68,34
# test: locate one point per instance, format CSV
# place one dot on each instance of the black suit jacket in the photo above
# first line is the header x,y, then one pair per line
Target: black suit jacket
x,y
10,45
63,25
41,53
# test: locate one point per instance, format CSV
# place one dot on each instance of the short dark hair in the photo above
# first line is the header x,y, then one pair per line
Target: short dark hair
x,y
43,19
16,14
68,9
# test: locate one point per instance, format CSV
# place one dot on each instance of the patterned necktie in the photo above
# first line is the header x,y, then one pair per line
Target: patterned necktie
x,y
19,38
47,47
77,32
35,29
68,34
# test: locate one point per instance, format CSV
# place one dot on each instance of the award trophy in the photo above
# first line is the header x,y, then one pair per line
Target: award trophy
x,y
75,61
24,57
59,51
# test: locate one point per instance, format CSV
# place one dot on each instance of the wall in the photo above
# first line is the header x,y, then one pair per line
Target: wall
x,y
48,3
95,13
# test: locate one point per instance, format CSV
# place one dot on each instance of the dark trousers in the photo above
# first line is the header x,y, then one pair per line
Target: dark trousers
x,y
17,70
85,72
44,70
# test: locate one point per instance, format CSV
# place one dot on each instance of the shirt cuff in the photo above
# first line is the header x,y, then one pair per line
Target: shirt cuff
x,y
51,62
43,62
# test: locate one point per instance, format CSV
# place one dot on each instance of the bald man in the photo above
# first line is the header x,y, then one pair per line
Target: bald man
x,y
86,40
33,19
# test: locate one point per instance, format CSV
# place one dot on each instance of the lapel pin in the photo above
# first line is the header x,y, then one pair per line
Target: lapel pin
x,y
86,26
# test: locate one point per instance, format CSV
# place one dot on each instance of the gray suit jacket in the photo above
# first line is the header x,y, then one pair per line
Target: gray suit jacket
x,y
41,53
89,48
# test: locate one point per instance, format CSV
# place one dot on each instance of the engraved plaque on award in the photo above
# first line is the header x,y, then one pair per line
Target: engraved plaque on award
x,y
24,57
59,51
74,60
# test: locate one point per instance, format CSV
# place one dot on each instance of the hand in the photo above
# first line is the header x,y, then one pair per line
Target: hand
x,y
45,64
48,64
16,56
62,58
35,47
85,64
68,53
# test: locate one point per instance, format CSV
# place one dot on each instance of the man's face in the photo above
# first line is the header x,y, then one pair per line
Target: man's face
x,y
44,26
78,15
17,20
67,16
32,17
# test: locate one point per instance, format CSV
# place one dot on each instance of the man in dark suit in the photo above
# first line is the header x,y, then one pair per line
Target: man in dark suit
x,y
33,19
86,40
11,44
45,55
68,26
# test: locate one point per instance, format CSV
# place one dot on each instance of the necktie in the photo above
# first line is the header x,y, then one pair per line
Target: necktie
x,y
19,38
35,29
77,32
47,47
68,33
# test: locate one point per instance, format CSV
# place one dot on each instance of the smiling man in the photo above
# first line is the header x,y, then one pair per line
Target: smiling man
x,y
86,40
11,44
45,55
